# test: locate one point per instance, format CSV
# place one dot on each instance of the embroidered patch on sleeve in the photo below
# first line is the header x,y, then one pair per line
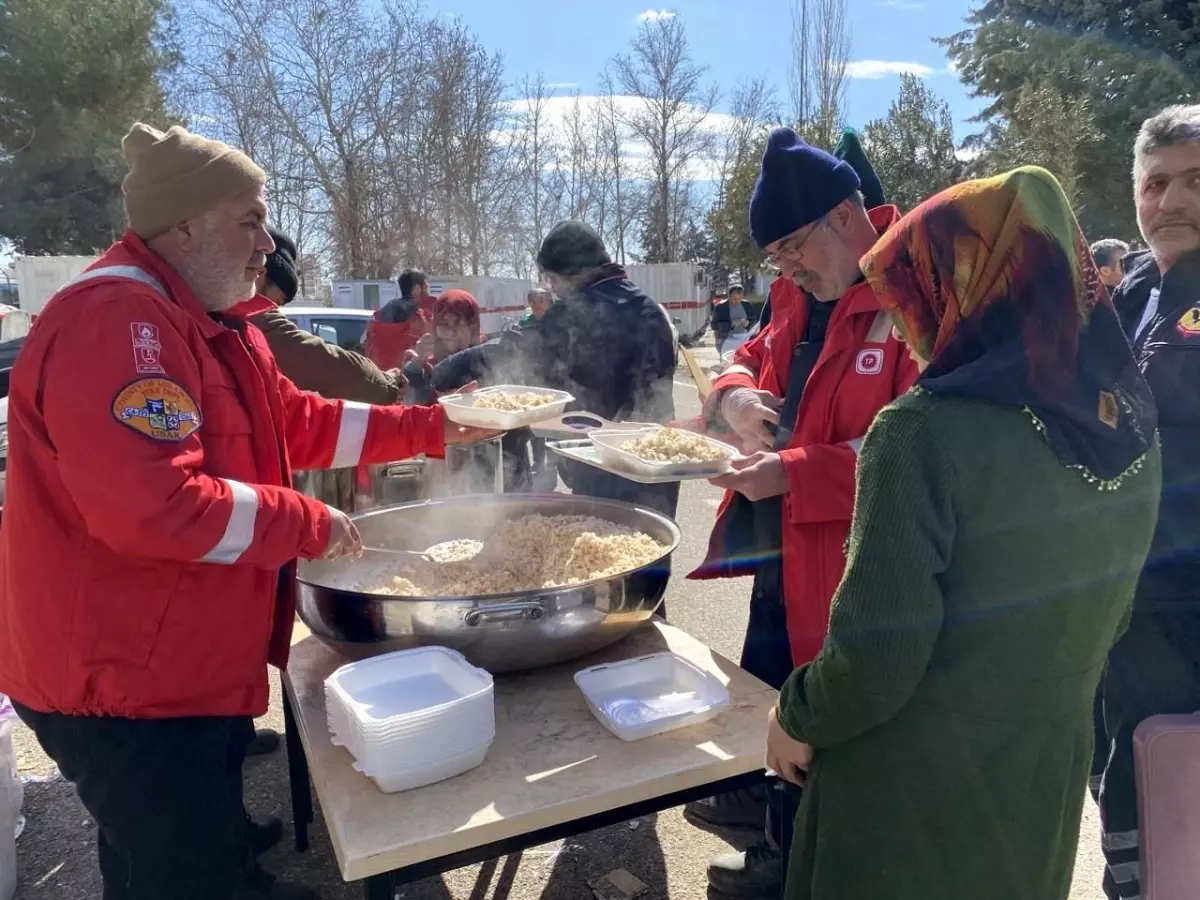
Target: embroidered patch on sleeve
x,y
158,408
1109,413
1189,323
146,348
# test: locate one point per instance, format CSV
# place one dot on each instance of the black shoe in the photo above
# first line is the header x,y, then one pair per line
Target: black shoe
x,y
264,833
264,741
262,885
744,809
756,874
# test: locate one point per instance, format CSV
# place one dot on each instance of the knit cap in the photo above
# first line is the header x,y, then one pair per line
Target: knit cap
x,y
570,248
798,184
179,175
281,265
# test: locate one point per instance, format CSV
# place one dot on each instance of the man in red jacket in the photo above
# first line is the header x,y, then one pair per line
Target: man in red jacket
x,y
799,398
151,527
398,325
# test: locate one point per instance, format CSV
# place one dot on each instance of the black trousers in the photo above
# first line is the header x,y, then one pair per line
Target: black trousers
x,y
767,655
166,795
1153,670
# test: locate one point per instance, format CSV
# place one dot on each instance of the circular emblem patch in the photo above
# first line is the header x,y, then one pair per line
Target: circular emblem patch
x,y
158,408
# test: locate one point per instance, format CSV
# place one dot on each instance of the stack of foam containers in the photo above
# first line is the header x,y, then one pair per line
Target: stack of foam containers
x,y
10,801
412,717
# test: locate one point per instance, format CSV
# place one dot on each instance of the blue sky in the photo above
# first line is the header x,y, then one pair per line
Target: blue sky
x,y
570,41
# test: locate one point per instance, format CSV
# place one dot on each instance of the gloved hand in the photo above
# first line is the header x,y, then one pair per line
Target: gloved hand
x,y
344,539
747,412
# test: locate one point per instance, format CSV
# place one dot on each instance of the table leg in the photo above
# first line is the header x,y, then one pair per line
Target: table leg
x,y
302,804
379,887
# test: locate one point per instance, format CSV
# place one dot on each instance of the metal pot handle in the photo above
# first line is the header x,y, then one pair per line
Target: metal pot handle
x,y
406,469
503,612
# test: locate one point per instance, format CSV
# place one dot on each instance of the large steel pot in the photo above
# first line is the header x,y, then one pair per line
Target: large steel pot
x,y
362,488
500,632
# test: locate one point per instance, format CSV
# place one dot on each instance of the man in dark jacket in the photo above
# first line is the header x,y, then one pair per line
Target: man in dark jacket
x,y
605,342
1155,668
310,362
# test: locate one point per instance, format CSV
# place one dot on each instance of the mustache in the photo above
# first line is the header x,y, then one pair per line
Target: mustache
x,y
1176,221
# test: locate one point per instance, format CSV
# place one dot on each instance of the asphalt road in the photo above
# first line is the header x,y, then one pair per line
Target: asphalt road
x,y
57,858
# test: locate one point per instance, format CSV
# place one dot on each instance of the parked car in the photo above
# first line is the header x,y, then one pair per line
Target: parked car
x,y
345,327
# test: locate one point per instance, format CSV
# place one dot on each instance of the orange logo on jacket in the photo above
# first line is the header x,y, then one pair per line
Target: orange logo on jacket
x,y
1189,323
158,408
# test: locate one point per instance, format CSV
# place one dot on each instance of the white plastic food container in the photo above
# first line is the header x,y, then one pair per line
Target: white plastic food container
x,y
447,765
608,448
649,695
410,709
461,409
408,686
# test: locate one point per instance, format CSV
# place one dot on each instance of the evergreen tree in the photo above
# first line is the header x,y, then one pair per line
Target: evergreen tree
x,y
912,148
74,75
1122,60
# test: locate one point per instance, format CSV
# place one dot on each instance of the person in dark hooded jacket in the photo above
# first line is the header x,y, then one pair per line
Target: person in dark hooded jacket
x,y
605,342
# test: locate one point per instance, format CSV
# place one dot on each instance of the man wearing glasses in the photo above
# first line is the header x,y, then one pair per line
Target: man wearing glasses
x,y
799,400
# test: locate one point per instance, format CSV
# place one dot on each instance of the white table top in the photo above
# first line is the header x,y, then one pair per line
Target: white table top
x,y
551,761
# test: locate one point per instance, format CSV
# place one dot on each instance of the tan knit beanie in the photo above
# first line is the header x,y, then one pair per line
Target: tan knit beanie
x,y
179,175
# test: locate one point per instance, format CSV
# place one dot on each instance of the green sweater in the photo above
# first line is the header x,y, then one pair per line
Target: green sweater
x,y
950,708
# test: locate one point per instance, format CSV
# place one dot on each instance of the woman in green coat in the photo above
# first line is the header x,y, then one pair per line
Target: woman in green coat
x,y
1005,507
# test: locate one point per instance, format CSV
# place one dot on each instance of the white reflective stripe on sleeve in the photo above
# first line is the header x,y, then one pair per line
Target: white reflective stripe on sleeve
x,y
856,444
130,272
239,530
736,370
352,434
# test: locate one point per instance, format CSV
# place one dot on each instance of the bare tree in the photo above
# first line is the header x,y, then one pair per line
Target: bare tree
x,y
620,194
537,157
821,46
377,126
669,117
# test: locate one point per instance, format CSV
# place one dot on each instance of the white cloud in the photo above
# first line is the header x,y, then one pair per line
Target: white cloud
x,y
656,15
874,69
561,85
557,109
904,4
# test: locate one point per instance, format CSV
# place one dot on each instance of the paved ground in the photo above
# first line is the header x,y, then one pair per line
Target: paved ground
x,y
57,851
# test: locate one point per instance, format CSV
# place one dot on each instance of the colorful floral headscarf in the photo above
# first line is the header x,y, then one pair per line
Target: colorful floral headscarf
x,y
993,283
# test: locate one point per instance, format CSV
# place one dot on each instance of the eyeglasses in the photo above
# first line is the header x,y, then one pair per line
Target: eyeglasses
x,y
793,251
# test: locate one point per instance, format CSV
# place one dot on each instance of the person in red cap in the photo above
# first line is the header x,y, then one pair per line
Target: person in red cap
x,y
151,440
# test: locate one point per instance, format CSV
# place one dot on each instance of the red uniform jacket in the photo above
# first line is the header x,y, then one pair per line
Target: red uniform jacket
x,y
150,508
386,342
861,369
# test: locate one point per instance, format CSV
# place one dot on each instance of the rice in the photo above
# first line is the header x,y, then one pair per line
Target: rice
x,y
675,445
506,402
530,553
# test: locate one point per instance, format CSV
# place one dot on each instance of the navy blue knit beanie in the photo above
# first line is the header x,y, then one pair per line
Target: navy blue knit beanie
x,y
797,185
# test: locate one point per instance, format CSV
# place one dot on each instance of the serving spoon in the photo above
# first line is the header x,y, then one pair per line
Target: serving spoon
x,y
443,552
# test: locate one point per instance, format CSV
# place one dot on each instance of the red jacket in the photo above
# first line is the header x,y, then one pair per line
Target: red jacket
x,y
386,342
861,369
150,508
